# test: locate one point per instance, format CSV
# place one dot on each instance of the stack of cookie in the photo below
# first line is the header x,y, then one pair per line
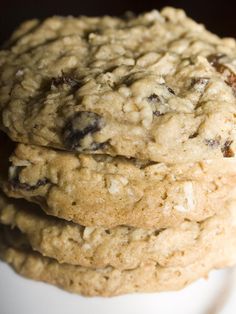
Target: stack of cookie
x,y
121,177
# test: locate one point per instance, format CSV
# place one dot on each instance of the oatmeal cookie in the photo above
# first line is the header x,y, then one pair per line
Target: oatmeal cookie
x,y
148,277
157,87
99,190
122,247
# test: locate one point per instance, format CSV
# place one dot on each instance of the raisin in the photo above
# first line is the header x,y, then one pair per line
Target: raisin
x,y
228,74
158,113
223,69
213,143
78,127
16,184
214,59
170,90
64,79
195,134
153,98
199,83
231,81
226,150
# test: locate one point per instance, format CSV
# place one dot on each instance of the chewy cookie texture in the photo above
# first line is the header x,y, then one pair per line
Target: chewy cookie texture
x,y
110,191
108,281
157,86
119,173
121,247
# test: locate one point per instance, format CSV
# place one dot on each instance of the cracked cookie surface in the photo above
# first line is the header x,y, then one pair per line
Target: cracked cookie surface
x,y
155,87
99,190
122,247
108,281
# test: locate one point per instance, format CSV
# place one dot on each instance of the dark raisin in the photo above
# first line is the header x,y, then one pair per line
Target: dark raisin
x,y
16,184
64,79
158,113
157,232
226,150
170,90
229,76
199,83
153,98
231,81
213,143
214,59
195,134
78,127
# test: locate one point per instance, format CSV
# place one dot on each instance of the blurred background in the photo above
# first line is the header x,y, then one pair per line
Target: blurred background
x,y
218,16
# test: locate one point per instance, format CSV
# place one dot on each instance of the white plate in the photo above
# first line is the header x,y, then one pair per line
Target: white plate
x,y
22,296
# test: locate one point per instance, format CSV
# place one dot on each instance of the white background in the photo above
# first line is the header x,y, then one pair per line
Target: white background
x,y
22,296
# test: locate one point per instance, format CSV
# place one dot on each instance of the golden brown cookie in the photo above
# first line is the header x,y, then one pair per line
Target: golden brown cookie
x,y
120,247
149,277
98,190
